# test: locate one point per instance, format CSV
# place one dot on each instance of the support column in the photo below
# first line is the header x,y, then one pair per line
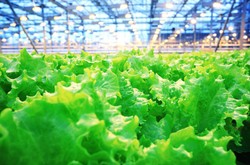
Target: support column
x,y
194,41
67,28
194,29
211,28
83,35
1,46
50,35
20,23
44,30
19,37
185,35
242,26
224,27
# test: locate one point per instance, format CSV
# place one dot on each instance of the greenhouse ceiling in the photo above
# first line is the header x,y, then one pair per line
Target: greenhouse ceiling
x,y
124,21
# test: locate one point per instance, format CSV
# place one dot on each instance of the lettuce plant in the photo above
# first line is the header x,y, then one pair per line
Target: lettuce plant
x,y
134,107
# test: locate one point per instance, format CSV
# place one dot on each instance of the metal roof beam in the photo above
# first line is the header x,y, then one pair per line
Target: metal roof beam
x,y
17,20
66,9
193,8
104,6
178,12
152,8
151,16
236,7
183,4
7,16
132,17
29,10
166,31
154,26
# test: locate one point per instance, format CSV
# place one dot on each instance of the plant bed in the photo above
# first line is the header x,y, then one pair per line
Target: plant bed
x,y
134,107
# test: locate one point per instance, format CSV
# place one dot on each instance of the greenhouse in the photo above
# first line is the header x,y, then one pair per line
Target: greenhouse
x,y
124,82
115,25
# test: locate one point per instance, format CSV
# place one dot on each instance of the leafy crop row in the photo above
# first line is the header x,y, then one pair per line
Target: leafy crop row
x,y
131,108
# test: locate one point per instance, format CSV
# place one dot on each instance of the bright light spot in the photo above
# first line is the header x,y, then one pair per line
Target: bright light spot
x,y
111,29
92,16
245,37
31,29
159,26
57,17
79,8
209,37
203,14
43,24
36,9
4,40
221,31
230,28
186,26
128,15
133,26
81,28
13,24
123,6
66,31
131,22
226,38
217,5
1,32
5,29
15,34
234,34
169,5
164,15
101,23
214,34
193,21
23,18
54,34
172,38
162,21
25,41
43,40
71,23
178,31
154,37
157,31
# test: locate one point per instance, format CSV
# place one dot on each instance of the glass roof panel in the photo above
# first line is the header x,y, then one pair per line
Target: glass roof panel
x,y
107,20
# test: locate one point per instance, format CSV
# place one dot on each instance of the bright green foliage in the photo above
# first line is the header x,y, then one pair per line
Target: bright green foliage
x,y
130,108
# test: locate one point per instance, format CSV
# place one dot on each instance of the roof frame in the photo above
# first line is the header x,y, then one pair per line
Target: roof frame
x,y
151,16
29,10
104,6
